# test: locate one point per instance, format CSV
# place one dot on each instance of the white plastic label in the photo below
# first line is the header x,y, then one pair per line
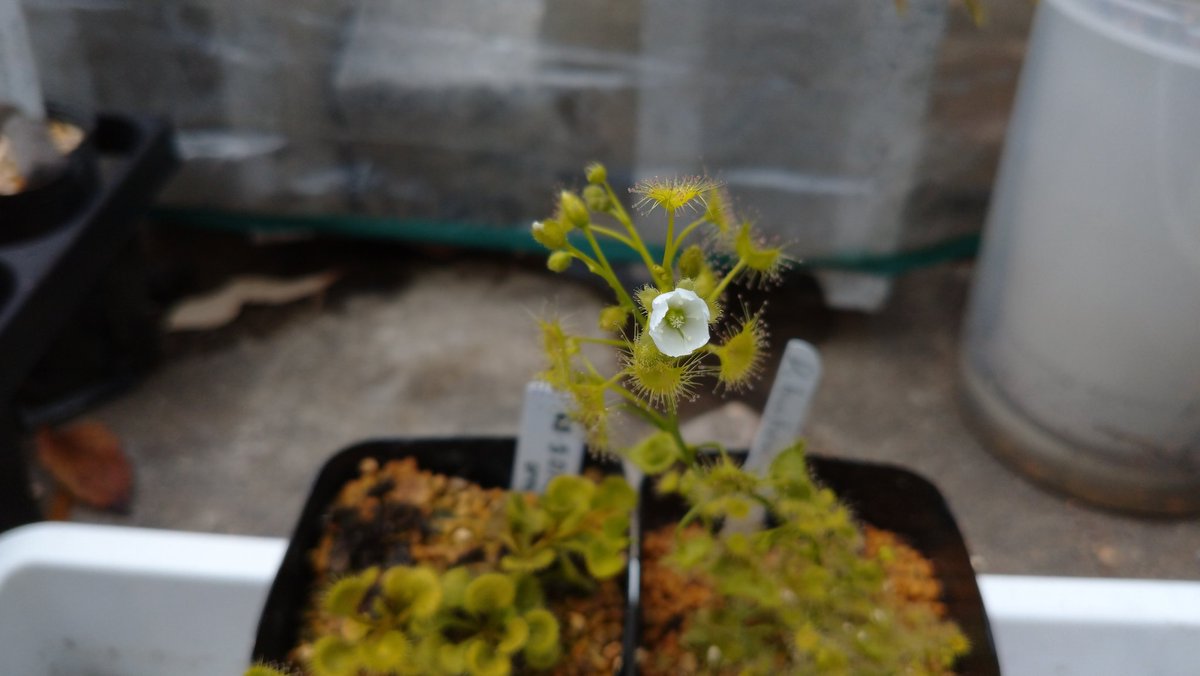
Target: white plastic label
x,y
549,443
788,403
19,85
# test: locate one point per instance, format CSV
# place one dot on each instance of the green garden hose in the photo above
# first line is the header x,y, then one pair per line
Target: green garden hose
x,y
517,240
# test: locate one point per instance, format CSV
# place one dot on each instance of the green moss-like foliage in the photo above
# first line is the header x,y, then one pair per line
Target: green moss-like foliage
x,y
472,620
412,620
575,524
265,670
798,594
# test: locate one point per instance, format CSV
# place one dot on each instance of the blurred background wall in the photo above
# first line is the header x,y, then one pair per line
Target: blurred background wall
x,y
415,114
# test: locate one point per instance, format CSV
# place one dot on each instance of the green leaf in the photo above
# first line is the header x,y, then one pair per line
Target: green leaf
x,y
543,660
529,593
615,528
344,597
483,660
489,593
543,632
516,633
602,560
332,656
452,657
568,494
530,562
668,482
416,590
525,518
738,543
386,654
693,550
615,494
353,629
736,507
454,586
655,454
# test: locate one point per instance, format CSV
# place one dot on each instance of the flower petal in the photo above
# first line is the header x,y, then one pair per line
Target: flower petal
x,y
679,341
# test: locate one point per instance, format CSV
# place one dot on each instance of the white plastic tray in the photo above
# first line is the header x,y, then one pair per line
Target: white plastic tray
x,y
1059,626
81,600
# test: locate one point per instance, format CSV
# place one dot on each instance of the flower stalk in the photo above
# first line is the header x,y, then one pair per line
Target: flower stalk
x,y
796,594
670,336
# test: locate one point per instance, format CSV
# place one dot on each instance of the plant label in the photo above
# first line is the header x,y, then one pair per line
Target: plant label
x,y
19,86
788,403
549,443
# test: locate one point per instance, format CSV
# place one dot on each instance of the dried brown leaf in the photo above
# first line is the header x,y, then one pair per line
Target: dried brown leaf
x,y
86,459
222,306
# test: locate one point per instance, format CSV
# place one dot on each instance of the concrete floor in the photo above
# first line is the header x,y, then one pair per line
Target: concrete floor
x,y
227,434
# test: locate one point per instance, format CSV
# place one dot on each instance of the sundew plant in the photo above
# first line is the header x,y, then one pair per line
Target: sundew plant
x,y
485,615
672,334
797,592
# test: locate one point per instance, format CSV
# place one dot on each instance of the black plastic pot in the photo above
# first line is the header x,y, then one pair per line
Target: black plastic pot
x,y
898,500
49,204
886,497
485,461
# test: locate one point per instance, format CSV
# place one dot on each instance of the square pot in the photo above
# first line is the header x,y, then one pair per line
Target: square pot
x,y
897,500
485,461
887,497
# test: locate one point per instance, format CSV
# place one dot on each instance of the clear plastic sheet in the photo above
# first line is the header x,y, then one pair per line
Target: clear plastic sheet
x,y
474,110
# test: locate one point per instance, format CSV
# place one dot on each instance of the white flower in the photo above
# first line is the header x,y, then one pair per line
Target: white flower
x,y
678,322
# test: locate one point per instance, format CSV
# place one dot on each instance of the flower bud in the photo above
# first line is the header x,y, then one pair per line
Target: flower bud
x,y
559,261
686,283
662,276
691,262
613,318
645,297
573,209
596,173
596,198
550,233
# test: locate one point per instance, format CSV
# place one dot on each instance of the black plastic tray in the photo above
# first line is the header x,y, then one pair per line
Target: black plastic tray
x,y
42,208
43,276
51,263
485,461
898,500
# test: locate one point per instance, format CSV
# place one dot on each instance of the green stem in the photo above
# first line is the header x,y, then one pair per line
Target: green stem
x,y
689,453
669,250
688,230
606,272
587,260
622,216
587,363
616,378
609,232
692,514
717,446
644,414
729,276
601,341
654,418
